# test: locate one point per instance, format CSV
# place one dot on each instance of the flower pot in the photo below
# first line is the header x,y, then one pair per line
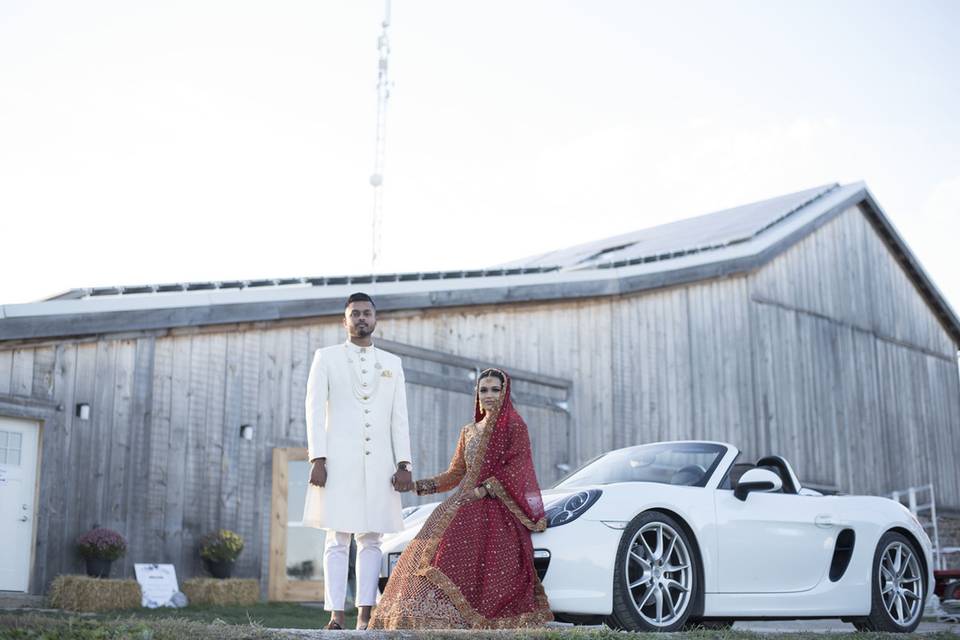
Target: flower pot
x,y
219,569
98,567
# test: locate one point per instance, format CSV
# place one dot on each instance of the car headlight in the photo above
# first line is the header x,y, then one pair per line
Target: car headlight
x,y
571,507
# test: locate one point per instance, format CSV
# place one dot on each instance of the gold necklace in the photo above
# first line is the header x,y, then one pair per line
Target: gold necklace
x,y
362,393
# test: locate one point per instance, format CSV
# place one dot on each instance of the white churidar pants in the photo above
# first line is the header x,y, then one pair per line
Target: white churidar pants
x,y
336,560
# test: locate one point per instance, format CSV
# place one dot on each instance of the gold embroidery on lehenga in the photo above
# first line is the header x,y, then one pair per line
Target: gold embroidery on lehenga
x,y
494,487
429,609
426,597
536,618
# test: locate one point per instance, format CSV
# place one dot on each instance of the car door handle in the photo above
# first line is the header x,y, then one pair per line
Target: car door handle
x,y
824,520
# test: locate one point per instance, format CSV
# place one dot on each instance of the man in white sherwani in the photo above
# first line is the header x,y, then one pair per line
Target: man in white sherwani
x,y
359,447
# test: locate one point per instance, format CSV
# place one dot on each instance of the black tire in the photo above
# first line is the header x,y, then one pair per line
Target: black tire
x,y
627,614
880,618
578,618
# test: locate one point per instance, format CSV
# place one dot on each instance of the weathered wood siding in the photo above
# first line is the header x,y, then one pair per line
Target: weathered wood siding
x,y
570,341
852,361
845,272
670,364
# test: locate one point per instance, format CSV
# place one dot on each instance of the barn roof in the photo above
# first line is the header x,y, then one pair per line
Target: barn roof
x,y
702,233
714,245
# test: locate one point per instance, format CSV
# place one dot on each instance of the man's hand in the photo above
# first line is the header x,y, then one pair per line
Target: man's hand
x,y
402,480
318,474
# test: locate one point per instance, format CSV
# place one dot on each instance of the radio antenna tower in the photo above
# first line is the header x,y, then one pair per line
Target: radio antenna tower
x,y
383,97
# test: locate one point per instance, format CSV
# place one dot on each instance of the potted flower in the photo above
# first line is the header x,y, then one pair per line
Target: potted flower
x,y
99,548
219,550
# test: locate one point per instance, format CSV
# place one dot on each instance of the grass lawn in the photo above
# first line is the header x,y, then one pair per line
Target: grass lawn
x,y
273,615
33,626
263,616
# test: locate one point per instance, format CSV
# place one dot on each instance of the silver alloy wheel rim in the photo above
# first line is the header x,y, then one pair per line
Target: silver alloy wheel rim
x,y
659,574
901,583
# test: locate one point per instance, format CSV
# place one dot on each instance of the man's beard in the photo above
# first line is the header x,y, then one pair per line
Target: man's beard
x,y
362,332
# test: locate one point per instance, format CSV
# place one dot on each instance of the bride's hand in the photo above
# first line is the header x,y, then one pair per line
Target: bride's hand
x,y
477,493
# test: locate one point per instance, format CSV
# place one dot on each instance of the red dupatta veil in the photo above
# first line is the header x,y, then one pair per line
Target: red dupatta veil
x,y
507,468
483,559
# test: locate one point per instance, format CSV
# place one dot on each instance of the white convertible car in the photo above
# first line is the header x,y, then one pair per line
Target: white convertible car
x,y
667,535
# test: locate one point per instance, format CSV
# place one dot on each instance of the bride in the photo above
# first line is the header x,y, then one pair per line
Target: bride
x,y
471,565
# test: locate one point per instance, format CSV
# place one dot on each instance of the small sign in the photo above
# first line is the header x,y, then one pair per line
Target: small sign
x,y
158,584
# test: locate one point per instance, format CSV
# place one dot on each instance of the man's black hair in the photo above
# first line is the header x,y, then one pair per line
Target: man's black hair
x,y
359,297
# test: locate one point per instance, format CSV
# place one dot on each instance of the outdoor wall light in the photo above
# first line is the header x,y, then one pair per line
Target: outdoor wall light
x,y
83,411
246,431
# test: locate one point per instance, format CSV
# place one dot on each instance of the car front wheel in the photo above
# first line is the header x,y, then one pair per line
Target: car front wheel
x,y
897,584
655,578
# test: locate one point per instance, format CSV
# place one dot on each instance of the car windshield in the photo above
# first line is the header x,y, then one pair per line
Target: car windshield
x,y
683,463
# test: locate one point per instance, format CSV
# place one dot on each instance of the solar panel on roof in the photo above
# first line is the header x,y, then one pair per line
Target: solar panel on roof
x,y
710,231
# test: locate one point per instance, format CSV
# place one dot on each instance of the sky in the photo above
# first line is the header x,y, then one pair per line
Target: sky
x,y
155,142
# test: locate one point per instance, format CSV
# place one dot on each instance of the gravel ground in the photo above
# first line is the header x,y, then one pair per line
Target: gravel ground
x,y
831,626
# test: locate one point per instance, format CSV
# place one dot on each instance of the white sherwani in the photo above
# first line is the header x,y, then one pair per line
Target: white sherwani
x,y
357,419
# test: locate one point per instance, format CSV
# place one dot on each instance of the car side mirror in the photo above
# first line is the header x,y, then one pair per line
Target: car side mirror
x,y
757,480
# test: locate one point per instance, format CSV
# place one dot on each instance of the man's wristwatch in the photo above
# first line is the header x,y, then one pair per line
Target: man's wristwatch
x,y
405,466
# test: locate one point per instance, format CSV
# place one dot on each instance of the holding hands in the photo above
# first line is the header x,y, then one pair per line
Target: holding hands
x,y
402,480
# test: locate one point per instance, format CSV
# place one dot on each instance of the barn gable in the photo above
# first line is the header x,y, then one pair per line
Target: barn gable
x,y
845,270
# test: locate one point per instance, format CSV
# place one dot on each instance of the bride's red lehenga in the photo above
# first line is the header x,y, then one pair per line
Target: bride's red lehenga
x,y
471,565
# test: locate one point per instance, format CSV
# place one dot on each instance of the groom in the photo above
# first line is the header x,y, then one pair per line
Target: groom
x,y
359,448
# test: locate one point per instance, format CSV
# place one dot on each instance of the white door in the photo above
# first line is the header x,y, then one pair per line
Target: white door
x,y
18,480
773,542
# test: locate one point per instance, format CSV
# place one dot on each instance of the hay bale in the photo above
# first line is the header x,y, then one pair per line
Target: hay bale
x,y
242,591
81,593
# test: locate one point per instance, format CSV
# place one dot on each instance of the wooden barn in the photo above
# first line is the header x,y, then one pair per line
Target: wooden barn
x,y
801,325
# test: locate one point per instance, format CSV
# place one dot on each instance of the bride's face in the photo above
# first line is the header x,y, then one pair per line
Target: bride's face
x,y
489,389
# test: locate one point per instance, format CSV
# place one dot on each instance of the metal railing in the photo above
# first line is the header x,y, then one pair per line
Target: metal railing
x,y
923,504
